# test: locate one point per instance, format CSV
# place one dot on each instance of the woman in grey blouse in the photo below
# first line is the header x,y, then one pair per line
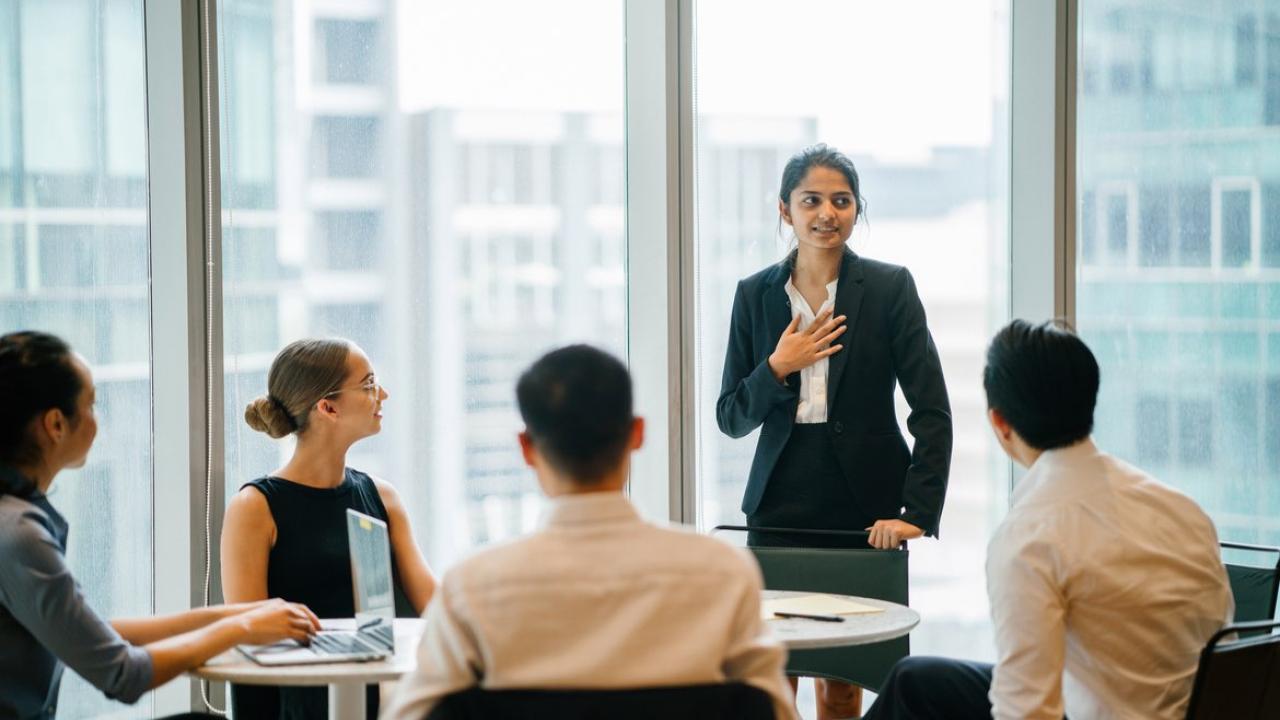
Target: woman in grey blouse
x,y
47,424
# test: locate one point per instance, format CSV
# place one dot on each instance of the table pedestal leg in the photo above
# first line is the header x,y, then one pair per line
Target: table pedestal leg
x,y
346,701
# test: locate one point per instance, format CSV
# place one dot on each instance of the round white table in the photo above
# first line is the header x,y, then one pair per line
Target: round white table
x,y
803,634
346,681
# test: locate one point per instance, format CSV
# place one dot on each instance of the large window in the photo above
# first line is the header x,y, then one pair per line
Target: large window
x,y
1177,115
930,142
388,177
74,261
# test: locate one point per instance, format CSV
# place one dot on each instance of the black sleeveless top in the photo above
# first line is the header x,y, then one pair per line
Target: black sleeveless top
x,y
309,563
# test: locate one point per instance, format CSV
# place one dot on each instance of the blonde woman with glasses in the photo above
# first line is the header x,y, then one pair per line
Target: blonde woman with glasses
x,y
285,533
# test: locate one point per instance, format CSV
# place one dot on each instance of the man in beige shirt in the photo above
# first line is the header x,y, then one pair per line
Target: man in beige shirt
x,y
597,598
1104,583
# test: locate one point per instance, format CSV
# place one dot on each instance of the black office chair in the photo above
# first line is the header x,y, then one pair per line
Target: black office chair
x,y
1238,678
721,701
1254,586
864,571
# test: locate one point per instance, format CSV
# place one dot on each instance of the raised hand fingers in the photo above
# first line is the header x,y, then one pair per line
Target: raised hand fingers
x,y
828,352
791,326
819,321
828,326
831,336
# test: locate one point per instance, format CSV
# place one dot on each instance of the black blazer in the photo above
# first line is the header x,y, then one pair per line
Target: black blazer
x,y
887,340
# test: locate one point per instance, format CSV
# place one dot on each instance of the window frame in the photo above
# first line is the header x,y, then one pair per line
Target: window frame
x,y
184,201
1221,186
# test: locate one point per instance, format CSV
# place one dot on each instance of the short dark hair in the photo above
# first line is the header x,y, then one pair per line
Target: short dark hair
x,y
576,406
36,375
1044,381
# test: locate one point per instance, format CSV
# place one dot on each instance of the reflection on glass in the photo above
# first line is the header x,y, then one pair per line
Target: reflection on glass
x,y
454,224
930,142
1177,108
74,262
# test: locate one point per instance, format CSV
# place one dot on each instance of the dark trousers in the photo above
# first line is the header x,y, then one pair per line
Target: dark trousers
x,y
924,688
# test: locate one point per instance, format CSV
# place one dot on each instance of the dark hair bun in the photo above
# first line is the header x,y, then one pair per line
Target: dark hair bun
x,y
268,416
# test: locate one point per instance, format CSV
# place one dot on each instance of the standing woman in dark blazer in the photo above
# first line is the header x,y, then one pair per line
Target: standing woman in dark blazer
x,y
816,344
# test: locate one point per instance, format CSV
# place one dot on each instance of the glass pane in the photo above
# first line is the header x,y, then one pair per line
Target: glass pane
x,y
1237,233
454,225
1187,387
74,261
933,162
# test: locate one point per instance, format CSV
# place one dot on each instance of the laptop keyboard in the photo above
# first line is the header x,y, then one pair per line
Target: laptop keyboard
x,y
338,644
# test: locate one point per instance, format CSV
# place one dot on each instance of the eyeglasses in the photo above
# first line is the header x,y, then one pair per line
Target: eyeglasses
x,y
372,387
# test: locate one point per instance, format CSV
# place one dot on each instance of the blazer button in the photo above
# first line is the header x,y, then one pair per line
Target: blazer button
x,y
838,427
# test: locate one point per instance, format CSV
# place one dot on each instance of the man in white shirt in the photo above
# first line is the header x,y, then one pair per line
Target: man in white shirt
x,y
597,598
1104,583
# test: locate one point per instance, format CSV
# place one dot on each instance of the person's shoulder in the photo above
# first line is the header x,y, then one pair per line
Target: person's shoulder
x,y
493,566
496,557
1029,531
764,276
386,490
251,501
883,272
685,545
23,526
1152,492
264,485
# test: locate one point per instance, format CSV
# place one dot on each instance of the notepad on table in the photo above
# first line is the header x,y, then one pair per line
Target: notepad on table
x,y
815,604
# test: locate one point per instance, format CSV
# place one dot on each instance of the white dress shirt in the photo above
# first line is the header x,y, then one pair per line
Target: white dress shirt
x,y
813,379
597,598
1104,587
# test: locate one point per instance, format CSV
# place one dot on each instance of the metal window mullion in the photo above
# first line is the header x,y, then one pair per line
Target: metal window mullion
x,y
1068,62
685,240
184,243
1042,225
1042,184
659,246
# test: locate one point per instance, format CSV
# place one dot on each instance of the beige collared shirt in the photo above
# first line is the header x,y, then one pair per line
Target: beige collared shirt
x,y
813,379
597,598
1105,585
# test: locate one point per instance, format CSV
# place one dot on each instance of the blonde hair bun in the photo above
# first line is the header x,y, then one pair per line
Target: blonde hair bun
x,y
267,415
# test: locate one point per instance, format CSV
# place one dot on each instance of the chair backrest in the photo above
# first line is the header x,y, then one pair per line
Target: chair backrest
x,y
1254,586
1238,678
879,574
725,701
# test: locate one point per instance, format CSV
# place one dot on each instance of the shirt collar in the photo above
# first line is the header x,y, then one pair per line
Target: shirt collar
x,y
58,524
589,509
1054,464
795,295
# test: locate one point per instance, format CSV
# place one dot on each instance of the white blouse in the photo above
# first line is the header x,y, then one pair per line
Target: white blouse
x,y
813,379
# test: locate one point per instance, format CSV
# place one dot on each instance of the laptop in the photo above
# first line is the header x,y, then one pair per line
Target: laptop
x,y
373,637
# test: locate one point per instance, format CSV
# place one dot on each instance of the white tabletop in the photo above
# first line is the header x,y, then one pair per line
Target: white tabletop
x,y
233,666
801,634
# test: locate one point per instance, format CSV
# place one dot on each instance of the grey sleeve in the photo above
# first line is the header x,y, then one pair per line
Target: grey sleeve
x,y
37,587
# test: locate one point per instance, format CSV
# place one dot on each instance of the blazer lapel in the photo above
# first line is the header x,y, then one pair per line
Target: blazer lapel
x,y
848,302
777,308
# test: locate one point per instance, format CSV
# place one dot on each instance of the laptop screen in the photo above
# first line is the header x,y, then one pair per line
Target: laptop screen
x,y
371,573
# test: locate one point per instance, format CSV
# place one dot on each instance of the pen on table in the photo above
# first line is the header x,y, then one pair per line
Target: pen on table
x,y
808,616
